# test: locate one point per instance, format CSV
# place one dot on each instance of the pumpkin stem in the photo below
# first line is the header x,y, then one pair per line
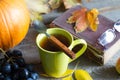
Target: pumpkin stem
x,y
4,52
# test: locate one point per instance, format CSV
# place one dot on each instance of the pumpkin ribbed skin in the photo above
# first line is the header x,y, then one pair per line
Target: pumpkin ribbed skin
x,y
14,22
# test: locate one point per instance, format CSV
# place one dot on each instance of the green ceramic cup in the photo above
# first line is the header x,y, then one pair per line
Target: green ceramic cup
x,y
56,63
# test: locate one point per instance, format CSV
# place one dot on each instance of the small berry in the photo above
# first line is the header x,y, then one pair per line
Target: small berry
x,y
23,73
6,68
29,67
1,76
14,66
30,79
7,78
20,61
17,53
34,75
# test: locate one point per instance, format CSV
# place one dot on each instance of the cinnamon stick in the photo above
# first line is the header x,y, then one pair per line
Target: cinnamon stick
x,y
61,46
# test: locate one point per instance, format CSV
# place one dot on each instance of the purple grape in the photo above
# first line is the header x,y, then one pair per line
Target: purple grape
x,y
23,73
34,75
17,53
6,68
20,61
1,76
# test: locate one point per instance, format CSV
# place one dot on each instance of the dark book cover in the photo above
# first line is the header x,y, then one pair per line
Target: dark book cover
x,y
95,51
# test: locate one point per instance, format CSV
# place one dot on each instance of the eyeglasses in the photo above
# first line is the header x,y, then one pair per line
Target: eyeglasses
x,y
109,35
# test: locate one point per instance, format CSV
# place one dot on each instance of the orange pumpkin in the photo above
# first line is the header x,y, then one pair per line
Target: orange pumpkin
x,y
14,22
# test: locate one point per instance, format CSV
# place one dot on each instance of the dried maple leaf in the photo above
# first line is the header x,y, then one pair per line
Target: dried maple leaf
x,y
81,23
76,15
84,18
92,17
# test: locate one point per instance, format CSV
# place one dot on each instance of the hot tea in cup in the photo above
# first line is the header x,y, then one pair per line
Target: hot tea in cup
x,y
54,61
48,45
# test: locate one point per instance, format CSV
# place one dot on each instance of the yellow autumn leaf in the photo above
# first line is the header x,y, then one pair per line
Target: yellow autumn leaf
x,y
65,75
68,78
82,75
68,72
92,17
68,75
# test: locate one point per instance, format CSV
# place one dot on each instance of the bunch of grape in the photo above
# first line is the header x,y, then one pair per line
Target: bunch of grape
x,y
13,67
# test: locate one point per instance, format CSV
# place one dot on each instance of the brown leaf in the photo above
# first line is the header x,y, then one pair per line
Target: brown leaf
x,y
81,23
76,15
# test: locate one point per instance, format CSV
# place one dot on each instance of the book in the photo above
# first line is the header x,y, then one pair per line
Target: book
x,y
95,51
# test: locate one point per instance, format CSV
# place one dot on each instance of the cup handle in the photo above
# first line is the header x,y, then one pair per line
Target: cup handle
x,y
81,51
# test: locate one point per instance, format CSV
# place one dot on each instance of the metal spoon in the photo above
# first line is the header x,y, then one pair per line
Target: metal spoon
x,y
117,25
40,27
109,35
